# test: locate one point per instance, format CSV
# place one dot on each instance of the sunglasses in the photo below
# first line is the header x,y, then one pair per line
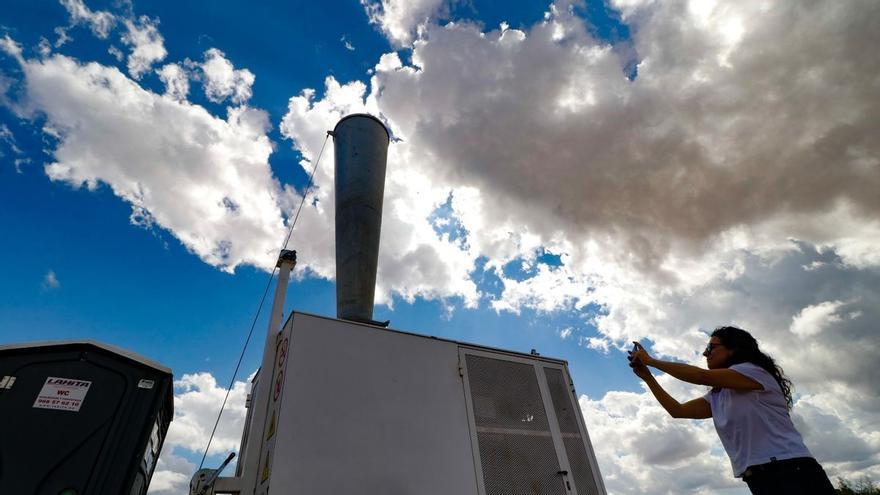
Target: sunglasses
x,y
712,346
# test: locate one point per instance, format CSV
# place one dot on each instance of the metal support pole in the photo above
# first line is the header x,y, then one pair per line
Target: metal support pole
x,y
250,453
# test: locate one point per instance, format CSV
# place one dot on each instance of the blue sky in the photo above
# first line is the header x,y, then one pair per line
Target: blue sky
x,y
565,177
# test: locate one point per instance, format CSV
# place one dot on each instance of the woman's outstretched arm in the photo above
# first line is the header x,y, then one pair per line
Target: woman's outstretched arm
x,y
694,409
723,378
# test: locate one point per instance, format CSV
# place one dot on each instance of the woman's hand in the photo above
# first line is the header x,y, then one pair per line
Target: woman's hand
x,y
640,355
640,370
638,358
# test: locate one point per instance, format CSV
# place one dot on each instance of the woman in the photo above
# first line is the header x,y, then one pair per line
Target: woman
x,y
749,404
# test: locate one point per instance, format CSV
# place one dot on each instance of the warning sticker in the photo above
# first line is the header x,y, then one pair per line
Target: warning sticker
x,y
64,394
271,427
267,468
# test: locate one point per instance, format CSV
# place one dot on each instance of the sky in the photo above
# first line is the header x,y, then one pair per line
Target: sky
x,y
566,177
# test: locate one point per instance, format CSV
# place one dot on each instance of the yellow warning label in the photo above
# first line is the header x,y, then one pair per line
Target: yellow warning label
x,y
271,430
266,468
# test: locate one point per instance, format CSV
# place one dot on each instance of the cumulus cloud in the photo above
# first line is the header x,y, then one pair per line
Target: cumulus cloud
x,y
197,400
158,153
13,49
176,81
172,474
116,52
63,37
100,22
640,449
813,319
147,45
196,403
399,20
655,175
654,165
141,35
660,182
7,138
223,81
833,438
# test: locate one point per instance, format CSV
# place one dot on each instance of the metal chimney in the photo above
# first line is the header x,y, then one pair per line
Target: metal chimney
x,y
361,148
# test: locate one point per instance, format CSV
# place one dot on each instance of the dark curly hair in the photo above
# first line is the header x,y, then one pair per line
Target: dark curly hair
x,y
745,350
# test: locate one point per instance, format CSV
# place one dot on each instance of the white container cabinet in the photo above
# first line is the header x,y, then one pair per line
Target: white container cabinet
x,y
358,409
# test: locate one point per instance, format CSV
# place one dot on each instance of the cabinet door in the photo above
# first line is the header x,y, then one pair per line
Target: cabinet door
x,y
517,439
575,441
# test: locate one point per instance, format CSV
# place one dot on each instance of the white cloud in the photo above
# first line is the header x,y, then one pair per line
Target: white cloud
x,y
116,52
44,48
399,20
814,266
8,138
18,162
50,281
147,45
99,22
13,49
63,37
641,449
142,35
636,178
834,435
172,475
602,345
815,318
176,81
197,401
196,404
158,154
223,81
548,290
658,196
347,44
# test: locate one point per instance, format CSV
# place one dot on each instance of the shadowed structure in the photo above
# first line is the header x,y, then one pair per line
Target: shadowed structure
x,y
361,149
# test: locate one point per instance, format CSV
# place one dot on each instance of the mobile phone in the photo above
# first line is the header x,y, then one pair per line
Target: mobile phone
x,y
632,358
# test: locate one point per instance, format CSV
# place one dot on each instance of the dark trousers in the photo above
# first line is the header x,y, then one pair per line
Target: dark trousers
x,y
802,476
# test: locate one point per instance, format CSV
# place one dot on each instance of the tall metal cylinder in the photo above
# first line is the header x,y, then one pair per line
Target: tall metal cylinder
x,y
361,146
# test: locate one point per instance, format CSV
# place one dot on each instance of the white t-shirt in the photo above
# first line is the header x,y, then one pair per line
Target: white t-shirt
x,y
754,425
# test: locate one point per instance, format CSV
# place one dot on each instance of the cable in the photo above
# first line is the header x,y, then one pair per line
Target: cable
x,y
262,300
235,373
311,177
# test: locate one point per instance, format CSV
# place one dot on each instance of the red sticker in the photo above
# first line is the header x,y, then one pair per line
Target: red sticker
x,y
279,380
282,352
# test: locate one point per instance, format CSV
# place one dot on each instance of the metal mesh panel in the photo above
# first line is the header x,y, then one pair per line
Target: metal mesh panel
x,y
513,434
571,435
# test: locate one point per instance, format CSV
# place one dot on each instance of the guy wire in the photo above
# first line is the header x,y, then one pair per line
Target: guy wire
x,y
262,300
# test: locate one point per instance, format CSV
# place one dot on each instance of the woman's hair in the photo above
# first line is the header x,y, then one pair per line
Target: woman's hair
x,y
745,350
